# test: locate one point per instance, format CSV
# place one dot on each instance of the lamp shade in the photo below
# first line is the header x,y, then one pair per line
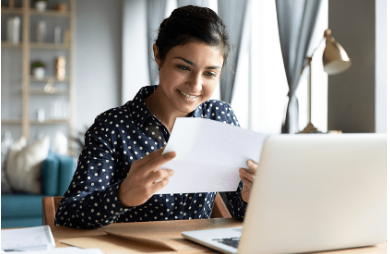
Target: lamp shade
x,y
334,59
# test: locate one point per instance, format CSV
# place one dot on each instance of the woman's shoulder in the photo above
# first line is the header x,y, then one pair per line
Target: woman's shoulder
x,y
219,110
116,114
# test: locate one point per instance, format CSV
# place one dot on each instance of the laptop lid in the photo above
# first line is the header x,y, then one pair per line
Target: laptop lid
x,y
317,192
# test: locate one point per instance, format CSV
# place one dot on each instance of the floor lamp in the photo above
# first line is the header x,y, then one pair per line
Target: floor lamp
x,y
335,60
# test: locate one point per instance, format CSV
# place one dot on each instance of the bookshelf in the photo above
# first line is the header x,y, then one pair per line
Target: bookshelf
x,y
28,47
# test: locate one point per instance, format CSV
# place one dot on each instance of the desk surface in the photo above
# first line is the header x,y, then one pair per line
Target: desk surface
x,y
159,237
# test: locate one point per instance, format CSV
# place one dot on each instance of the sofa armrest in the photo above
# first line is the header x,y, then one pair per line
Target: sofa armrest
x,y
67,167
50,174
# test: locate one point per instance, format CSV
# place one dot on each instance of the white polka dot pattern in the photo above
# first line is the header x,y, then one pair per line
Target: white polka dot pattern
x,y
118,137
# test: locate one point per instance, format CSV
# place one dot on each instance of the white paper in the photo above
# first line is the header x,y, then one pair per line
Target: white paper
x,y
33,238
209,155
66,250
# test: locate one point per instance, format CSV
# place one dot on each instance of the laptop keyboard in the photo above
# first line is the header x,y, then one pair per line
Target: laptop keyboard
x,y
233,241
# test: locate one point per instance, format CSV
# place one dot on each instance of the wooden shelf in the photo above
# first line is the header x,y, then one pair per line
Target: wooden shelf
x,y
47,78
49,46
41,92
11,121
50,121
6,44
50,13
5,10
30,91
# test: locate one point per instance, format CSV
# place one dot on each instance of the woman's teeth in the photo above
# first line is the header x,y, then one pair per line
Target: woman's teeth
x,y
189,96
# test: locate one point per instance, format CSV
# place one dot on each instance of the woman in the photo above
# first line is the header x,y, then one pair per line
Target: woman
x,y
117,174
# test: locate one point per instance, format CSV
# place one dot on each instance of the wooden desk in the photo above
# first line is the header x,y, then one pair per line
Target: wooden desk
x,y
166,232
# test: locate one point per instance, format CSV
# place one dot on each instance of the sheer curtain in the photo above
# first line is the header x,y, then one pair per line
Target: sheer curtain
x,y
233,14
155,15
296,20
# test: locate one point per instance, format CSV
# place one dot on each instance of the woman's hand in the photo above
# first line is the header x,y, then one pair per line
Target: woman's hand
x,y
142,181
247,176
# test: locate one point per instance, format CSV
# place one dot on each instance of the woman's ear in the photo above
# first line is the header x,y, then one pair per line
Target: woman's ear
x,y
156,57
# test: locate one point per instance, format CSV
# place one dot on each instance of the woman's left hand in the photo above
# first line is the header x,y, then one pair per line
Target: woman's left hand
x,y
247,176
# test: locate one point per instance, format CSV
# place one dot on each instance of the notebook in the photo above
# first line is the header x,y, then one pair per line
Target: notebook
x,y
312,192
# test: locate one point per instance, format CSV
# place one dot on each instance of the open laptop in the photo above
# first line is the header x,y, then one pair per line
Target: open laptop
x,y
312,192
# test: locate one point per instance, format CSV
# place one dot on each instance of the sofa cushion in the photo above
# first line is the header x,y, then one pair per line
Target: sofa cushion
x,y
50,173
67,168
20,205
24,165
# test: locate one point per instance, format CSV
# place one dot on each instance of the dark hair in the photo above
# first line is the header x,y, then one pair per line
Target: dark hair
x,y
192,23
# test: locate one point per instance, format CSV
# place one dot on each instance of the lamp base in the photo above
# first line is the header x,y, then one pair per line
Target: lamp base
x,y
310,129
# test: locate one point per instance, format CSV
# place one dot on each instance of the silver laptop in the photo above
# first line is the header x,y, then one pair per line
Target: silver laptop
x,y
312,192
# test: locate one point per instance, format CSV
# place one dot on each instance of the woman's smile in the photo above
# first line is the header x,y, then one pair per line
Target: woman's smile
x,y
190,96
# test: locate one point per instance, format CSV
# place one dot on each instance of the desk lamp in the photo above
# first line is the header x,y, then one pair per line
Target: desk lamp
x,y
335,60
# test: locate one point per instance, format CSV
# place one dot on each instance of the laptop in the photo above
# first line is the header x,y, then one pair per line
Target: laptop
x,y
312,192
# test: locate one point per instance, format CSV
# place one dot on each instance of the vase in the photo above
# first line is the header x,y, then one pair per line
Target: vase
x,y
41,31
14,30
39,72
40,6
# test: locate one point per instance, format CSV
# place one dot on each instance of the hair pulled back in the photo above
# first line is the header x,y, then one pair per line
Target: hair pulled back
x,y
192,23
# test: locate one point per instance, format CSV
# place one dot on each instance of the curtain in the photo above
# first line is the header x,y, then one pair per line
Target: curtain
x,y
296,21
233,13
203,3
155,15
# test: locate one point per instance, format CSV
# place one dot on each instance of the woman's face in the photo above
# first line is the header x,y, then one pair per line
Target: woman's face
x,y
189,75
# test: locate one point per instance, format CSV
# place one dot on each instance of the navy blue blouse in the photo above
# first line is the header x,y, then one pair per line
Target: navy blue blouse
x,y
118,137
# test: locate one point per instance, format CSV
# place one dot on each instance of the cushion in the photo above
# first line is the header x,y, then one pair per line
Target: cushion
x,y
24,164
50,174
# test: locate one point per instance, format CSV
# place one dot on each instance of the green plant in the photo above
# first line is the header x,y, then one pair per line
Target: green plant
x,y
37,64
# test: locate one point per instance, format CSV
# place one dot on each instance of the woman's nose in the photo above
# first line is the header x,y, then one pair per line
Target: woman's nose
x,y
196,81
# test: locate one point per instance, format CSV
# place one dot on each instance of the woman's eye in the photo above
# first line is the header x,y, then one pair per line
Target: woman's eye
x,y
185,68
211,74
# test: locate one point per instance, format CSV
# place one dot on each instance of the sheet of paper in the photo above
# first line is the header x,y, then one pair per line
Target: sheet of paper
x,y
33,238
66,250
209,155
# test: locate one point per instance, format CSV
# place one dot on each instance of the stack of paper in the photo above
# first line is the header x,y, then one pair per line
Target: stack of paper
x,y
25,239
67,250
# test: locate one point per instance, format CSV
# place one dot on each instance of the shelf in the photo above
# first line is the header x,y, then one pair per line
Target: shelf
x,y
50,121
6,44
47,79
48,46
11,121
11,11
41,92
50,13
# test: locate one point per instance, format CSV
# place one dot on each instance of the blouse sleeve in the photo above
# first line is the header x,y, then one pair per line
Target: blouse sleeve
x,y
91,199
236,205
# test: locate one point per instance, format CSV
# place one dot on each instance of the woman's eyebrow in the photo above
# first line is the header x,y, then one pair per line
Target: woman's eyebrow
x,y
192,64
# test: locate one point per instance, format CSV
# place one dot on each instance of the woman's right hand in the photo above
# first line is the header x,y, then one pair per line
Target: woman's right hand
x,y
142,180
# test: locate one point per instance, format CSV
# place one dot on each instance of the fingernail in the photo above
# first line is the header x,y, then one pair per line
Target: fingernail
x,y
171,172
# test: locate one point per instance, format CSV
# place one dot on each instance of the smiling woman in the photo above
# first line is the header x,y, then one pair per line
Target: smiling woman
x,y
112,183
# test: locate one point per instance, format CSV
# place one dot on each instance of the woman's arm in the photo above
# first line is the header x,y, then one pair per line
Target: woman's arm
x,y
91,199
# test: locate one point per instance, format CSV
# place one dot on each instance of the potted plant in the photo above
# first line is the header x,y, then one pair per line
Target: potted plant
x,y
38,69
40,5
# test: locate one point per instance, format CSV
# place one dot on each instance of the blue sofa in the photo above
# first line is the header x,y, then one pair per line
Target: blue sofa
x,y
25,210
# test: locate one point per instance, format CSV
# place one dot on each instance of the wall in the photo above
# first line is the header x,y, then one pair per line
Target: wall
x,y
97,59
351,94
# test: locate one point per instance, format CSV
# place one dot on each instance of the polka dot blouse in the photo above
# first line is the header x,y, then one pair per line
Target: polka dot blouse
x,y
117,138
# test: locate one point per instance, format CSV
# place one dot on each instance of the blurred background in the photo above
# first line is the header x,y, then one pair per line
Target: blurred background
x,y
106,62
